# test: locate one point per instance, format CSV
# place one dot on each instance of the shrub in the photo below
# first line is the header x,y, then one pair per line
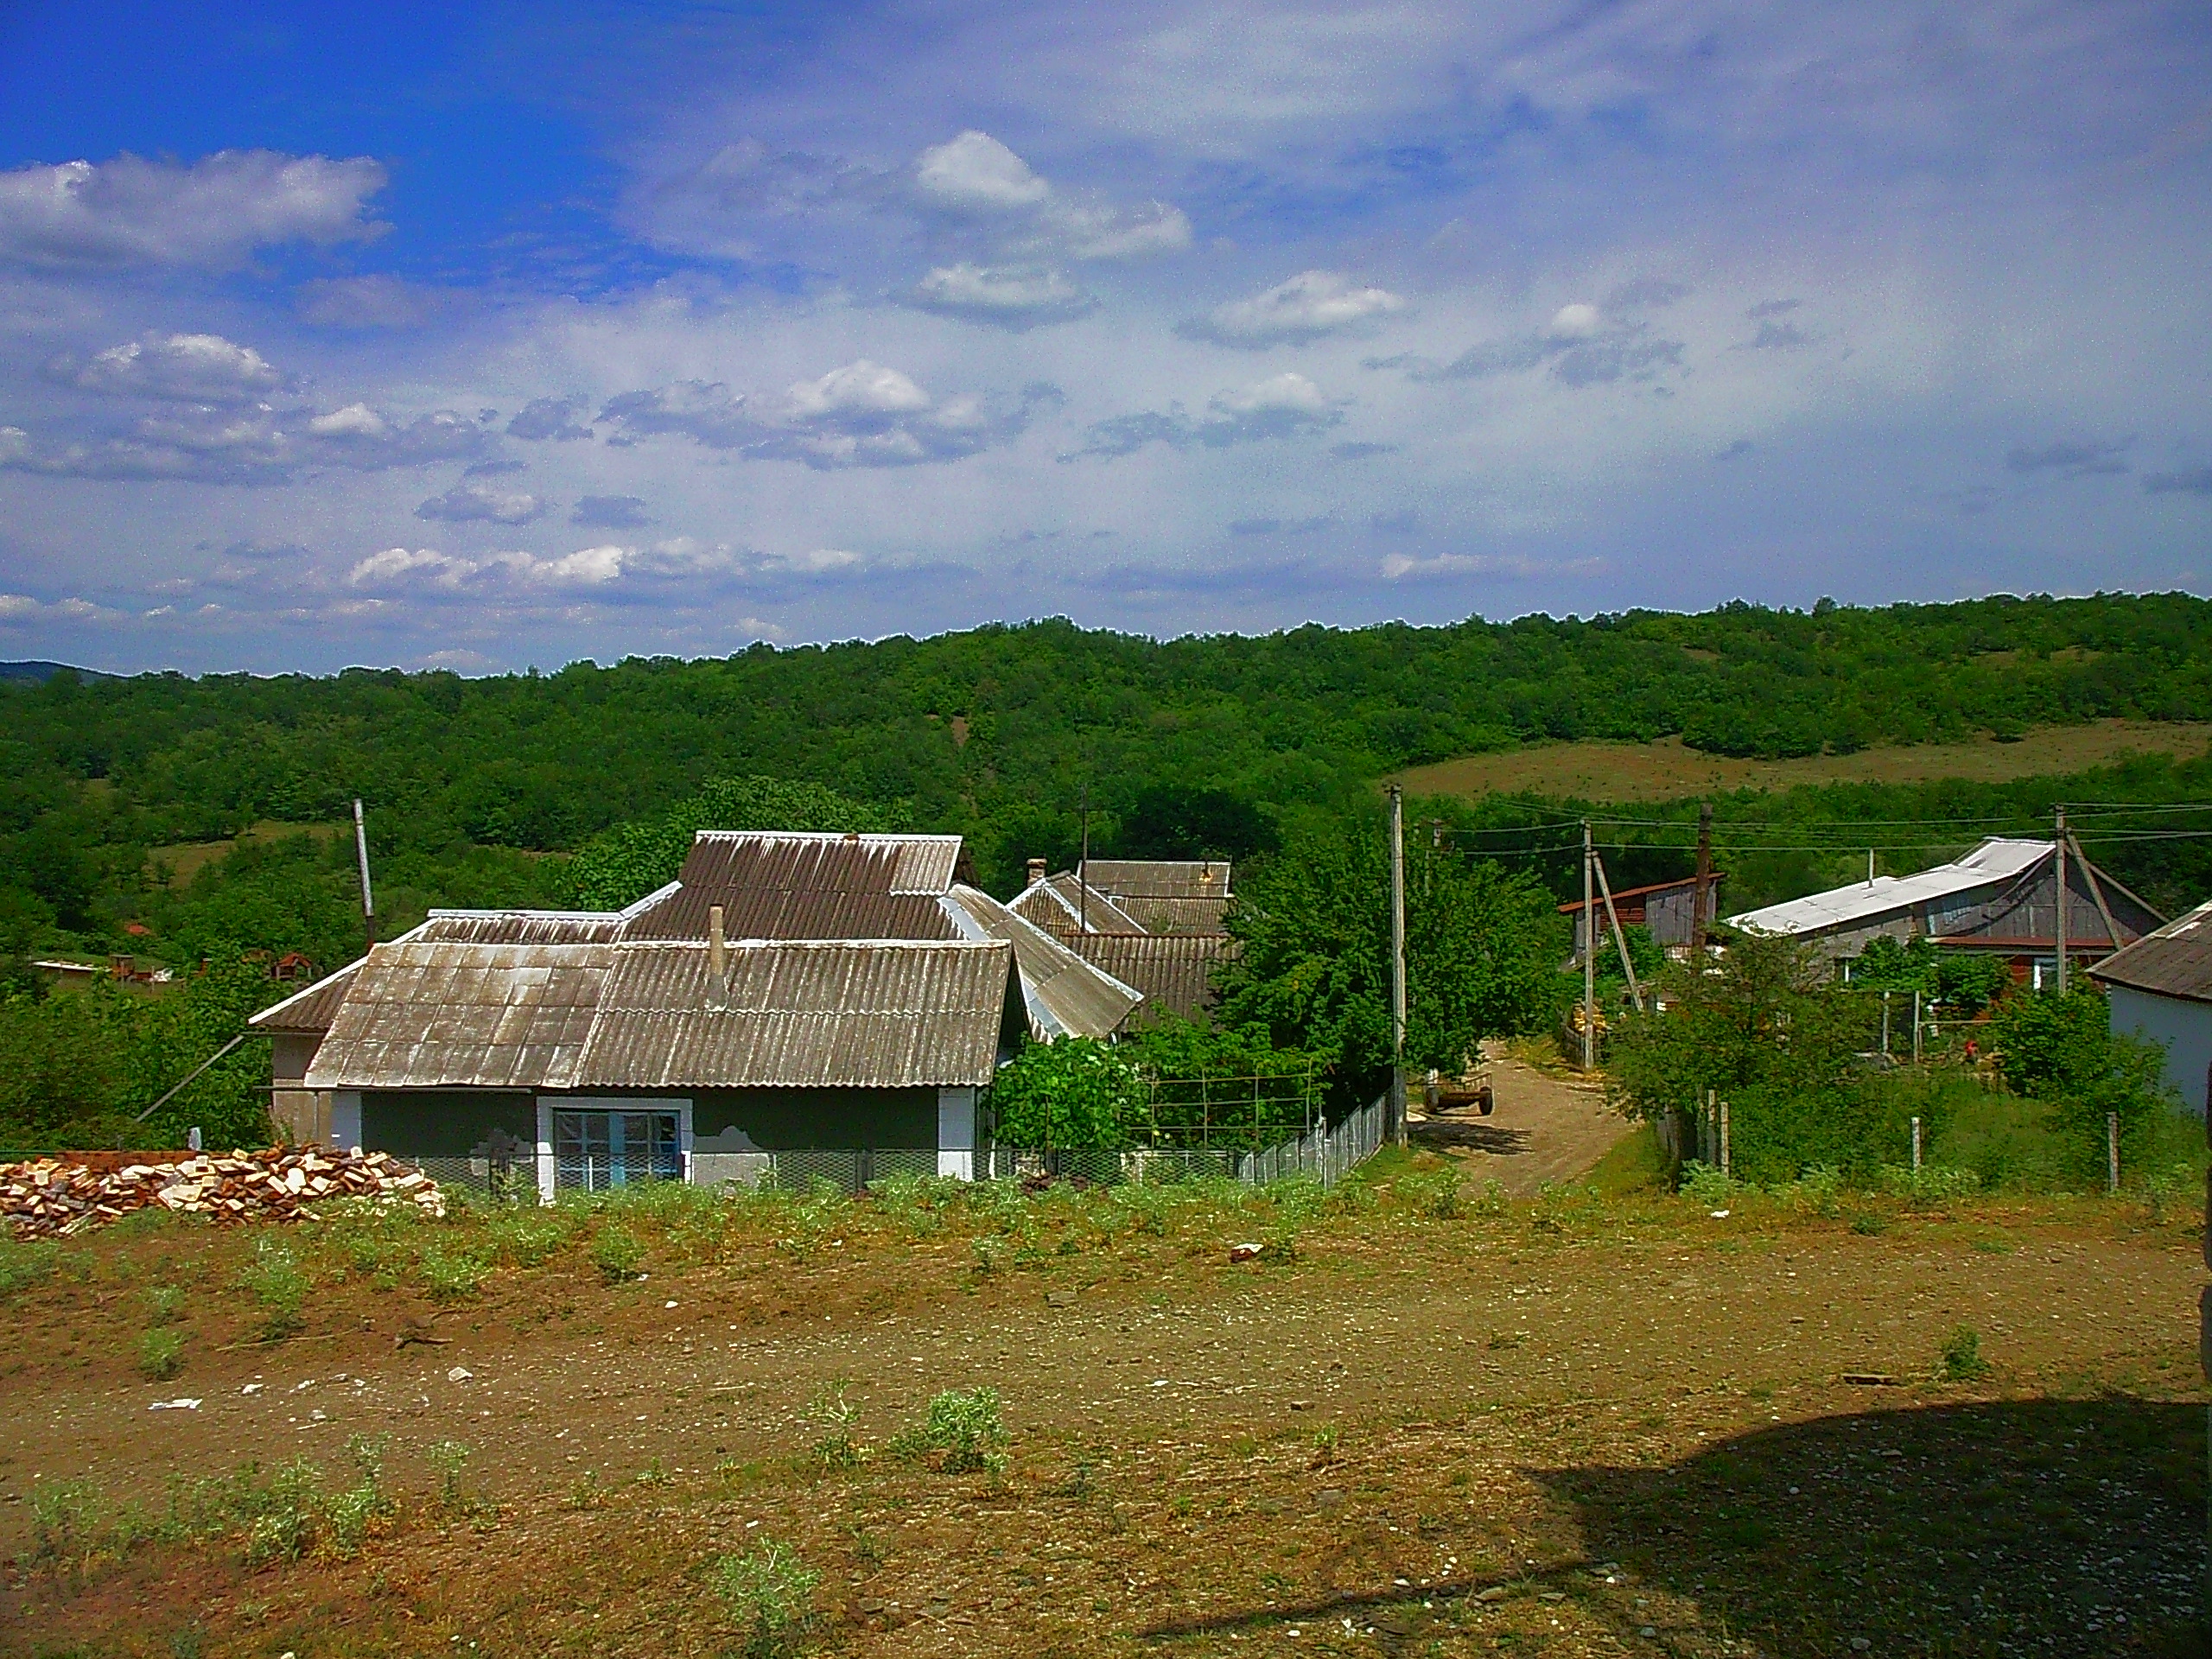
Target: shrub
x,y
160,1355
770,1595
834,1414
1075,1093
616,1251
1437,1193
1930,1184
964,1426
278,1286
1708,1186
1962,1360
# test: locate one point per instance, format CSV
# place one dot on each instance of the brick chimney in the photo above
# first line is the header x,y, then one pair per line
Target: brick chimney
x,y
1036,871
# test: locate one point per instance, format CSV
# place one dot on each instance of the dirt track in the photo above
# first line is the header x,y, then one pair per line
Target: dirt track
x,y
1543,1128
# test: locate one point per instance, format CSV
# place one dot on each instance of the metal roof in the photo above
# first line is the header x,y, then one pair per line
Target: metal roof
x,y
309,1011
1997,859
784,885
1157,878
1174,971
1066,994
1058,904
881,1013
2174,961
1622,894
1155,914
520,927
423,1015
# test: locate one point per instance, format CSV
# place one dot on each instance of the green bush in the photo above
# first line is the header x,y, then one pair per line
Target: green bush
x,y
1074,1094
450,1276
963,1429
1929,1184
1961,1356
160,1355
1437,1193
616,1251
770,1594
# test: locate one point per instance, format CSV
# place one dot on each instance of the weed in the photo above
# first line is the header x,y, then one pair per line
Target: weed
x,y
160,1355
449,1458
449,1278
1504,1340
66,1519
283,1527
1324,1439
164,1303
350,1516
964,1426
1930,1184
988,1252
585,1492
527,1238
1436,1193
1962,1360
25,1262
867,1548
655,1473
770,1595
831,1411
1708,1186
616,1252
1867,1225
1816,1190
279,1287
189,1642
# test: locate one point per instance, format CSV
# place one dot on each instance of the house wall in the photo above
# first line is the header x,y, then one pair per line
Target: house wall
x,y
444,1123
301,1116
454,1122
2182,1027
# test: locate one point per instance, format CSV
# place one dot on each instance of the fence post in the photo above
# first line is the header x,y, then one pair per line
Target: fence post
x,y
1724,1137
1915,1146
1916,1028
2112,1152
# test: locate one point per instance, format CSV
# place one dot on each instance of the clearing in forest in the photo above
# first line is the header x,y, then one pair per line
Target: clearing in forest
x,y
1666,770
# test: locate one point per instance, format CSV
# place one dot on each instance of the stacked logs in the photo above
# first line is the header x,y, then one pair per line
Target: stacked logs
x,y
64,1195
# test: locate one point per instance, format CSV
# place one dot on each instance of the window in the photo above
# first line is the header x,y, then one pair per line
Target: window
x,y
596,1150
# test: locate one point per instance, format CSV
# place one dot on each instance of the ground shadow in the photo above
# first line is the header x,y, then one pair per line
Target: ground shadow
x,y
2060,1528
1469,1134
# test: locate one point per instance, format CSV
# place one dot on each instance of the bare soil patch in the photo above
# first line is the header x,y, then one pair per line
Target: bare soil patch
x,y
1667,770
1566,1427
1543,1127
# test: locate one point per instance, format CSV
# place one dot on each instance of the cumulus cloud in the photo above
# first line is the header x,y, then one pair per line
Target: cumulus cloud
x,y
370,440
20,609
373,303
399,568
543,418
1582,344
483,502
611,512
976,173
255,446
1305,307
976,179
612,571
1011,297
1280,406
864,414
212,213
2190,480
2069,458
1399,567
189,368
1102,230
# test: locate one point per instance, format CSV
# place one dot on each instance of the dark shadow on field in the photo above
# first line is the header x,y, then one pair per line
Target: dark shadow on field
x,y
1468,1135
2065,1528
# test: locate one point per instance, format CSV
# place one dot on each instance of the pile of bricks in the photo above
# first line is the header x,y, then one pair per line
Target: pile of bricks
x,y
70,1194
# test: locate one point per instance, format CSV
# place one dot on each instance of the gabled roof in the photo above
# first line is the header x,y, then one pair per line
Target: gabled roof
x,y
1059,905
1066,994
2174,961
1157,878
1621,895
1174,971
307,1013
1997,859
793,885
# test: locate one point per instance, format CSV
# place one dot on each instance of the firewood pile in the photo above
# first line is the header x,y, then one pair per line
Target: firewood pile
x,y
50,1196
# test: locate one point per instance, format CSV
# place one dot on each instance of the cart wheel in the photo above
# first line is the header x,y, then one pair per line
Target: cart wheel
x,y
1484,1102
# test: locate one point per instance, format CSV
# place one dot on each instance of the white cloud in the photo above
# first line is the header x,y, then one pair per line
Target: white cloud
x,y
191,368
212,446
977,173
547,417
213,213
1306,307
486,502
377,301
22,608
1015,296
1399,567
1577,321
1280,406
1106,232
860,387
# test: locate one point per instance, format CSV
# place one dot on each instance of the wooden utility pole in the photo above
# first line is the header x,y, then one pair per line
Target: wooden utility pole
x,y
361,852
1620,937
1398,962
1702,899
2059,846
1082,868
1589,955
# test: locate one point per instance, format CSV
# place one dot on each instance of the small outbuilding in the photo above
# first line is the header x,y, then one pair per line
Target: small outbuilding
x,y
2160,988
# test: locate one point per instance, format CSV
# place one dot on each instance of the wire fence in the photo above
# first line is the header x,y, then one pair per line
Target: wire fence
x,y
1245,1111
1326,1153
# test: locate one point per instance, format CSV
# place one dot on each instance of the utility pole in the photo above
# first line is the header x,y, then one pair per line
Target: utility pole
x,y
1398,962
2059,847
1589,953
361,852
1082,868
1703,887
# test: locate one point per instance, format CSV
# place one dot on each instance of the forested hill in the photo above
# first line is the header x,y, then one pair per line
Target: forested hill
x,y
997,732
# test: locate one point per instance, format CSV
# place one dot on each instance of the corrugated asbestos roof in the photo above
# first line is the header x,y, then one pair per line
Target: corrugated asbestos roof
x,y
787,885
801,1014
1157,878
1058,904
520,927
1162,915
1995,861
2175,961
1175,972
421,1015
1065,996
311,1011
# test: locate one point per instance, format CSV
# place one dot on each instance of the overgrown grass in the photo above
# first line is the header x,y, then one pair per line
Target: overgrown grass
x,y
962,1433
769,1593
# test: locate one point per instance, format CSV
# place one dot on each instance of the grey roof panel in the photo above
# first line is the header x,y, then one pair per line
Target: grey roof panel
x,y
1157,878
1175,972
1060,907
2174,961
786,886
309,1011
1066,994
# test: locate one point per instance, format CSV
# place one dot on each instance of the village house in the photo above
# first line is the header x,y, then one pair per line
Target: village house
x,y
1666,910
2160,988
1157,926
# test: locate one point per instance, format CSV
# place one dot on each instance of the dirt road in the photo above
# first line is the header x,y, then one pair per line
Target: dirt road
x,y
1544,1128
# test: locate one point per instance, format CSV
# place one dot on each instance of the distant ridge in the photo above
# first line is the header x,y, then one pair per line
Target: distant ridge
x,y
40,673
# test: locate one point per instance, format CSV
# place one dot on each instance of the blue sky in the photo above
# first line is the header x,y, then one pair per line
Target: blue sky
x,y
511,334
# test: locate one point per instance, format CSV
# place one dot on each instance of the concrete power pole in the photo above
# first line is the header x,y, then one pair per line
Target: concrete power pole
x,y
1703,899
1398,963
1589,955
2060,846
361,851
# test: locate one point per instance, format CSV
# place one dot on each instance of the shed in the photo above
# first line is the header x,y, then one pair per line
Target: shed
x,y
1667,909
2160,988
